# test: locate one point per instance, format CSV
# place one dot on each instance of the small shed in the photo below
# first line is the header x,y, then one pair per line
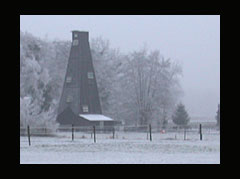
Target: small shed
x,y
68,117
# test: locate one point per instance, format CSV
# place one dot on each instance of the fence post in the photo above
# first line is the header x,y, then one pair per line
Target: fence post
x,y
94,134
200,131
150,132
113,132
72,132
185,133
28,131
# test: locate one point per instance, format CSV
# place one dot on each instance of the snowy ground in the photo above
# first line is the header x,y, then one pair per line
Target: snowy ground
x,y
126,148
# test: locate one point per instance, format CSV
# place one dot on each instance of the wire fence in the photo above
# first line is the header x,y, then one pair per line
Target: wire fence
x,y
94,133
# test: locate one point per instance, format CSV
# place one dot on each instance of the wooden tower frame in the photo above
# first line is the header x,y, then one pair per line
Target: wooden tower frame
x,y
80,92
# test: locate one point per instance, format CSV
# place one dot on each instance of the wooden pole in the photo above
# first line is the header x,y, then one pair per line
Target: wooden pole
x,y
150,132
184,133
28,131
113,132
94,134
72,132
200,131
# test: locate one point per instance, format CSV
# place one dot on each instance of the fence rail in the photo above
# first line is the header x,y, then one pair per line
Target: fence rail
x,y
130,132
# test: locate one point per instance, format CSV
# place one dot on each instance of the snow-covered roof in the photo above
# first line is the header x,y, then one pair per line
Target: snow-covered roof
x,y
95,117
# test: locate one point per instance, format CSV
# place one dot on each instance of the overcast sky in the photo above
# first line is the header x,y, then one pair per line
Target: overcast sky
x,y
193,41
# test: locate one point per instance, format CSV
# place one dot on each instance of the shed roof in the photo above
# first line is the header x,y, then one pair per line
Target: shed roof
x,y
95,117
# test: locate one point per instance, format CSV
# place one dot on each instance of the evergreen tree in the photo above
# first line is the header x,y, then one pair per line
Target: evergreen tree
x,y
180,116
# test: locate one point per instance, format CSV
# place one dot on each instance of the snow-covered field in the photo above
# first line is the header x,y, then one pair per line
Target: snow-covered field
x,y
126,148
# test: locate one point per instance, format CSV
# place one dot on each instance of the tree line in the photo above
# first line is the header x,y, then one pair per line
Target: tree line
x,y
137,88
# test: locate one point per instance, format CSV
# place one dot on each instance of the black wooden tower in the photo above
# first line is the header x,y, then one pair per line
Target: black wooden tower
x,y
80,92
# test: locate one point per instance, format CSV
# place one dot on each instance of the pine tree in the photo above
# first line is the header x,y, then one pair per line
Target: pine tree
x,y
180,116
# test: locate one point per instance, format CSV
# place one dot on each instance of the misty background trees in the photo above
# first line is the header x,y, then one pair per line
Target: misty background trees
x,y
138,88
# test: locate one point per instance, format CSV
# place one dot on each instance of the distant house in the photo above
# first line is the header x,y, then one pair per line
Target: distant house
x,y
79,103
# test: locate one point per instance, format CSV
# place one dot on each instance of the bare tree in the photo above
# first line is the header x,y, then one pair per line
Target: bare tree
x,y
149,82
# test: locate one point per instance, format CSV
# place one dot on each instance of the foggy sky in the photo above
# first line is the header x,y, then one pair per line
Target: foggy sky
x,y
193,41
